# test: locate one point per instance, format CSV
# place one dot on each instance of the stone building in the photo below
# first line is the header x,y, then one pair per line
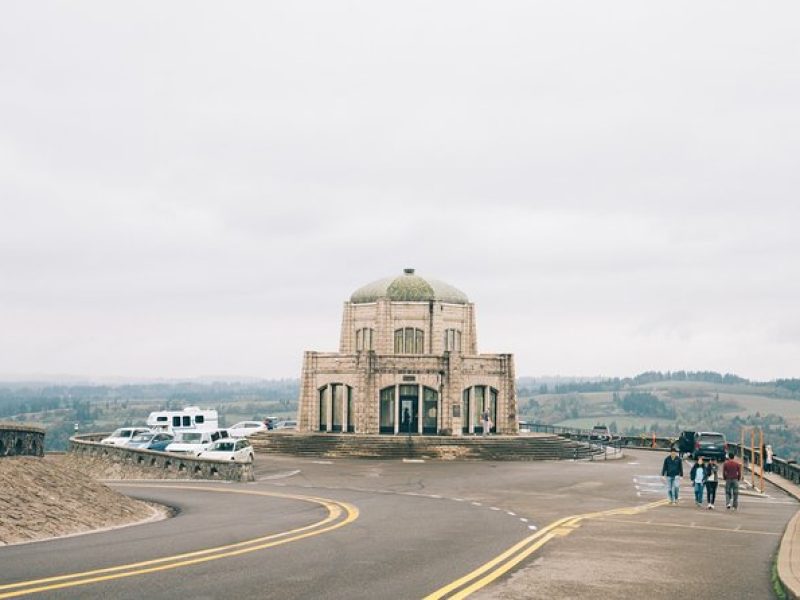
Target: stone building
x,y
408,362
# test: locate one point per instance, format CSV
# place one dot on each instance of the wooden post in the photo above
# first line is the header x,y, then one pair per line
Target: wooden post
x,y
761,449
753,457
741,447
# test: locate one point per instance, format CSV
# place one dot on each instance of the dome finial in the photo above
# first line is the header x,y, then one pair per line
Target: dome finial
x,y
408,271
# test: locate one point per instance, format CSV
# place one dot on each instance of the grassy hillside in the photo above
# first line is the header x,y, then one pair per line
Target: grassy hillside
x,y
670,406
104,408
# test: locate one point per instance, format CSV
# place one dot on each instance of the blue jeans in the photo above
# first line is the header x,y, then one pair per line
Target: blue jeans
x,y
673,488
698,492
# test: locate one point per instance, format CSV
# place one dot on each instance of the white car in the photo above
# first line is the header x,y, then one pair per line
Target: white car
x,y
194,442
237,450
245,428
123,435
285,425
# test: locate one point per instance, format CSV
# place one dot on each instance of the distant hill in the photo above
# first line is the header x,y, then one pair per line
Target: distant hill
x,y
664,402
667,403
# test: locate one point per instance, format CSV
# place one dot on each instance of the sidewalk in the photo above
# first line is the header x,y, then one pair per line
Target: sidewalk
x,y
789,553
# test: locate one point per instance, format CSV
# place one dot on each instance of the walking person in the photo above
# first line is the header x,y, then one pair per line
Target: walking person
x,y
672,471
768,462
732,474
698,477
712,479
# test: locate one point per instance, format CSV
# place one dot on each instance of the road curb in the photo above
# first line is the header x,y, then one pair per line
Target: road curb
x,y
788,561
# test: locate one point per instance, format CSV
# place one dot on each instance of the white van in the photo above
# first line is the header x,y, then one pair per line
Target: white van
x,y
191,418
194,442
123,435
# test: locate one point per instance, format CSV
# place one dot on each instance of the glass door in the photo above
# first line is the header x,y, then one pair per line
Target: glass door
x,y
430,411
409,409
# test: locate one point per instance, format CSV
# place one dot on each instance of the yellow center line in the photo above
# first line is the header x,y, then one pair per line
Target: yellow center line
x,y
520,551
335,510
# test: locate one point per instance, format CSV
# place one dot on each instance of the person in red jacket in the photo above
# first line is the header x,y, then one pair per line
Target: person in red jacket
x,y
732,474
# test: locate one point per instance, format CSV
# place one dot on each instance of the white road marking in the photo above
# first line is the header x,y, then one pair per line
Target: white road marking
x,y
322,462
283,475
532,527
523,519
476,504
493,508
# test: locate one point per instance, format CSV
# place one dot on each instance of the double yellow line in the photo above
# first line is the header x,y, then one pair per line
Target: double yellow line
x,y
339,515
488,572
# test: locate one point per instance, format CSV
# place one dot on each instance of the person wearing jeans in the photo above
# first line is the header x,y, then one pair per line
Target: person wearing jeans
x,y
732,473
698,477
672,470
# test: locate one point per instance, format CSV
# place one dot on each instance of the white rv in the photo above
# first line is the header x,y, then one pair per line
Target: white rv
x,y
191,418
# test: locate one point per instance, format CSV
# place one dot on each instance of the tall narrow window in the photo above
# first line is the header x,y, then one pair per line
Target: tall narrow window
x,y
323,409
364,339
452,340
387,410
409,341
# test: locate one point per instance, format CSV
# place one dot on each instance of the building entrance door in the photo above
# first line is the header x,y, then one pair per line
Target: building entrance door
x,y
409,409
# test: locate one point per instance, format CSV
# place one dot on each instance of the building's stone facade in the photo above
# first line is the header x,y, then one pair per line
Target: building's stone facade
x,y
21,440
407,344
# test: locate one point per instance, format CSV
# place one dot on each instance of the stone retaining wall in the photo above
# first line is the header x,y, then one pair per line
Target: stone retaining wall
x,y
21,440
118,462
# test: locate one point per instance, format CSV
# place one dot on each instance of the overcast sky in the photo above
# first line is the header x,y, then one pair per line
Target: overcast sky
x,y
195,188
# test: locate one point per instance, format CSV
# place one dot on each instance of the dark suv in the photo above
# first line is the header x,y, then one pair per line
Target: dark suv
x,y
709,444
685,443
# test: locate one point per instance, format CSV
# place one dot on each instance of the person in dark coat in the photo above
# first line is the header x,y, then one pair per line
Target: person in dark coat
x,y
712,480
672,471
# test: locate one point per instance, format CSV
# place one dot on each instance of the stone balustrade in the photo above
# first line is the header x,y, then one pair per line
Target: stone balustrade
x,y
21,440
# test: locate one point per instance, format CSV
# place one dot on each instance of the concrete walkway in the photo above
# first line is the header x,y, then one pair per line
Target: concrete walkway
x,y
789,553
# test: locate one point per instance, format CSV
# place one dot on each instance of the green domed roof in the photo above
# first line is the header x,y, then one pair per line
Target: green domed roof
x,y
409,287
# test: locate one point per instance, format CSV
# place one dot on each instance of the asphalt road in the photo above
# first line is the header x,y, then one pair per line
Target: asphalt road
x,y
370,529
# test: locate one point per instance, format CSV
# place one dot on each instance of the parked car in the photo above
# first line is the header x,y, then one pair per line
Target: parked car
x,y
123,435
685,444
151,441
238,450
193,442
245,428
285,425
600,433
709,444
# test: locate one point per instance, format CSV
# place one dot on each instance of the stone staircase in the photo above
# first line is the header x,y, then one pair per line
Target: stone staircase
x,y
332,445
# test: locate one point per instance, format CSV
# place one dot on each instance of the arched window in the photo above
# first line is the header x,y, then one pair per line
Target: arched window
x,y
409,341
364,339
476,400
336,408
452,340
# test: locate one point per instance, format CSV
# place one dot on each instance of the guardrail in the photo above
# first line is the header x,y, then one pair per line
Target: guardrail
x,y
788,469
157,465
610,447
